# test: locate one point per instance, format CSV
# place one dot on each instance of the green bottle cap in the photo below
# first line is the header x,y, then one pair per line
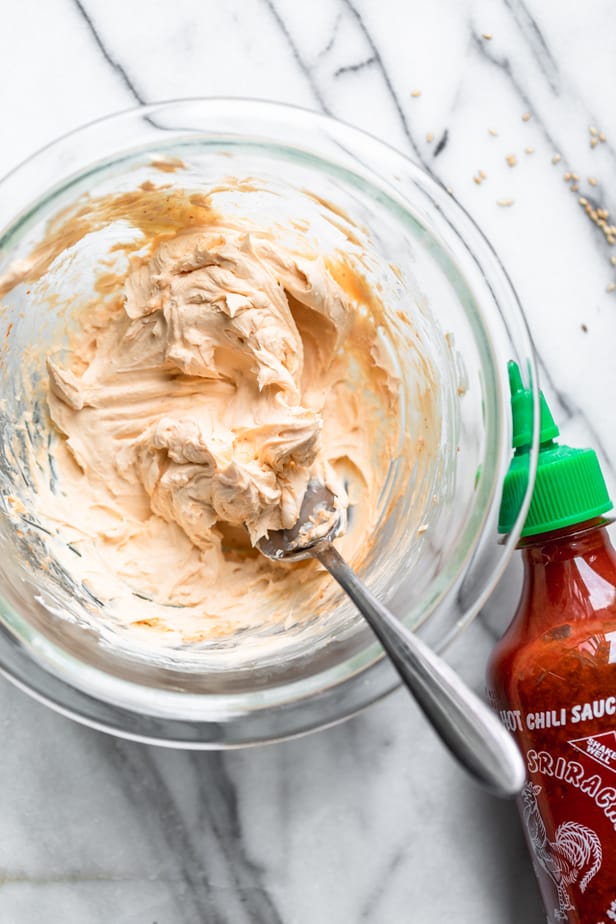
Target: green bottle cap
x,y
569,485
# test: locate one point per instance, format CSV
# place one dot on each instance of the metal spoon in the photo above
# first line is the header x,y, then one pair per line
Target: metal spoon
x,y
470,730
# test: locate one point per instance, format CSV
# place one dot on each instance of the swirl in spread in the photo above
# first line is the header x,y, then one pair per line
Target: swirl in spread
x,y
199,384
195,404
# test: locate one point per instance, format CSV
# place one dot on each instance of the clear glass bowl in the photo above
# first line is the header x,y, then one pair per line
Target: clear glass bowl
x,y
436,554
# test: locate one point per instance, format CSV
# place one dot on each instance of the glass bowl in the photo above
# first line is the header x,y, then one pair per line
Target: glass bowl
x,y
435,555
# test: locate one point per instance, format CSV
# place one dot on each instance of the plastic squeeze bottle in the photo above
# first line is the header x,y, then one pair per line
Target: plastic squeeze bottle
x,y
552,677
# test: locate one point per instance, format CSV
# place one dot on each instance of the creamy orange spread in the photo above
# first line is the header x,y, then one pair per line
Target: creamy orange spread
x,y
200,392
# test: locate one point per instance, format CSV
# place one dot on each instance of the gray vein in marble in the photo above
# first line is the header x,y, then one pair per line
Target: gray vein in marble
x,y
369,910
306,71
531,32
115,65
218,801
23,878
388,84
504,64
333,36
352,68
148,791
442,143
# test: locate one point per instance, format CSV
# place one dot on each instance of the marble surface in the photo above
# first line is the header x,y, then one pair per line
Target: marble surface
x,y
369,821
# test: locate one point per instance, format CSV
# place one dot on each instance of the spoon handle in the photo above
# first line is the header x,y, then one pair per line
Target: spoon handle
x,y
470,730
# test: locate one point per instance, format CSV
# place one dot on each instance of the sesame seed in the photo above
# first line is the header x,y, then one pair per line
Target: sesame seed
x,y
525,116
415,93
610,287
574,176
592,180
483,175
601,137
593,142
511,160
493,132
477,180
487,36
567,177
583,201
556,159
575,188
593,130
422,529
430,137
529,150
613,261
504,203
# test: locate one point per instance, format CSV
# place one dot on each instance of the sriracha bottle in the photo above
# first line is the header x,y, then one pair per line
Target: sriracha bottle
x,y
552,677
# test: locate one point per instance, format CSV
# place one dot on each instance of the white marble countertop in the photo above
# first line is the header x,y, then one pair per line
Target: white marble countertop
x,y
370,821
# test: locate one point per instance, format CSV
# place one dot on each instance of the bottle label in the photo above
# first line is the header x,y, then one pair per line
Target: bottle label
x,y
568,806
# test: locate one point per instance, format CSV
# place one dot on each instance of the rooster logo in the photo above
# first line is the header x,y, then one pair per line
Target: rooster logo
x,y
575,851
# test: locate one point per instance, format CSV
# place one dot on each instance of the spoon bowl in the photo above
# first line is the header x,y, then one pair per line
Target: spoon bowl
x,y
320,519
